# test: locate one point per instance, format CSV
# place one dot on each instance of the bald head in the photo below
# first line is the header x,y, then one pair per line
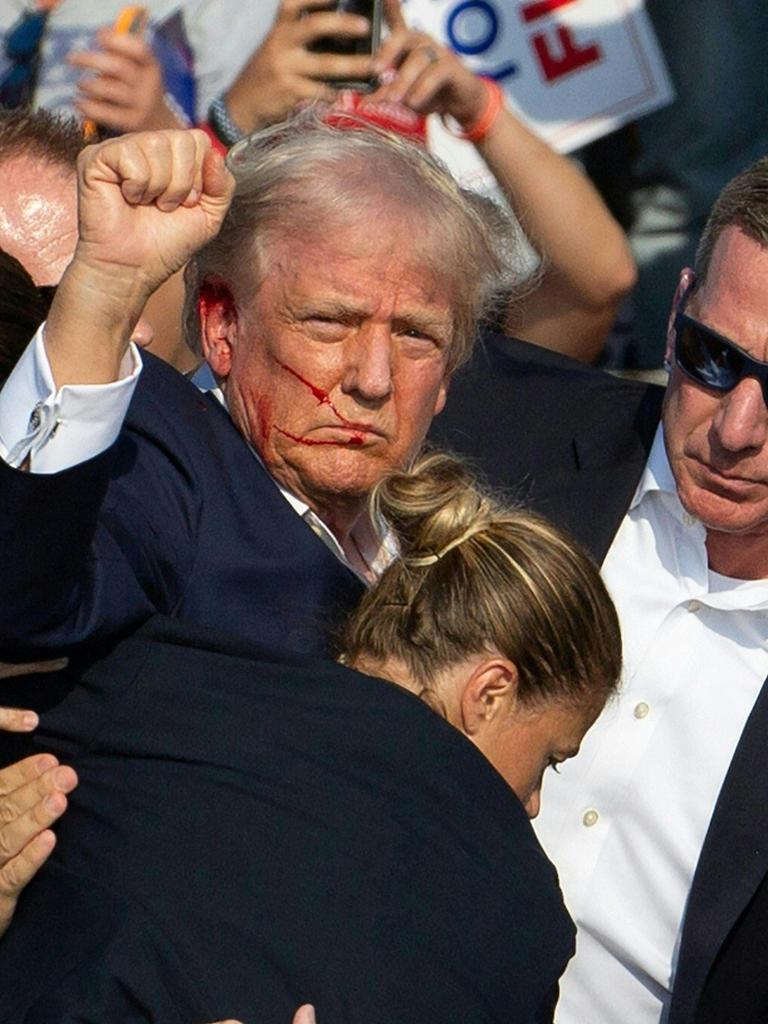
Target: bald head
x,y
38,202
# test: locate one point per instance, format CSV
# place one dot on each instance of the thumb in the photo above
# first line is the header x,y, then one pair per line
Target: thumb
x,y
305,1015
217,181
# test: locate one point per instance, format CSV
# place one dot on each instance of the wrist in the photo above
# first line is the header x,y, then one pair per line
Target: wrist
x,y
111,294
480,119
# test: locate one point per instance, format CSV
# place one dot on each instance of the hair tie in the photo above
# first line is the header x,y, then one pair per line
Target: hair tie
x,y
424,560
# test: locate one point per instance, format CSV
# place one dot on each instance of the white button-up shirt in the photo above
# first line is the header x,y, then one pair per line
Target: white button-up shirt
x,y
625,821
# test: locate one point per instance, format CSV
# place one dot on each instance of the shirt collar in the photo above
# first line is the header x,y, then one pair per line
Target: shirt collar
x,y
657,475
723,592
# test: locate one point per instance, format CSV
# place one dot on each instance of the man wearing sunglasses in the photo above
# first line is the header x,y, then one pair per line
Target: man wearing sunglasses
x,y
658,828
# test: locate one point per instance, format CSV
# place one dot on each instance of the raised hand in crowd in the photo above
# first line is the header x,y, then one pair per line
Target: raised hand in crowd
x,y
33,794
587,263
284,70
122,86
147,202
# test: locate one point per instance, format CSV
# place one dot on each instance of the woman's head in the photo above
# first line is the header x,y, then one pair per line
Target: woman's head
x,y
493,616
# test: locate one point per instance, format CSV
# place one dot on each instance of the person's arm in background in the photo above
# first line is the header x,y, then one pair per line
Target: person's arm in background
x,y
588,267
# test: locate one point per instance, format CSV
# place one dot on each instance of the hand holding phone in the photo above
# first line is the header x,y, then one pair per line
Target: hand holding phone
x,y
288,68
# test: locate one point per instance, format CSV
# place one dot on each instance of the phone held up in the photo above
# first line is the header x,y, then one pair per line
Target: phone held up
x,y
364,46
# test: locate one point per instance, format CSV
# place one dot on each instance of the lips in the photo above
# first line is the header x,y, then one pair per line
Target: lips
x,y
729,481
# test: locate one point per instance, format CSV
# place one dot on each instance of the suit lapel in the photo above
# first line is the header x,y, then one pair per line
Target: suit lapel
x,y
733,863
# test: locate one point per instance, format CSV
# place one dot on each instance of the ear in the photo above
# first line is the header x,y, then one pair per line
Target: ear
x,y
442,394
684,285
218,325
489,692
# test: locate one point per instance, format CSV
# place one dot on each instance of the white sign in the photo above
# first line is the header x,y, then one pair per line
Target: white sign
x,y
572,69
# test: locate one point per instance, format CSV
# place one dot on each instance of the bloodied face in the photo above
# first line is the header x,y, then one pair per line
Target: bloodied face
x,y
336,366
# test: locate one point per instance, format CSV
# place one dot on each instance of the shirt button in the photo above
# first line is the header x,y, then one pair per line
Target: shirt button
x,y
694,606
641,709
590,818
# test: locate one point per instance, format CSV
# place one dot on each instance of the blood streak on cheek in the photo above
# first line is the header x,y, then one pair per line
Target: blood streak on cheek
x,y
323,398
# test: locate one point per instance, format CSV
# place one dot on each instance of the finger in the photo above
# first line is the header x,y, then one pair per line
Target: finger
x,y
185,178
292,10
18,720
305,1015
110,64
419,62
22,772
7,670
114,91
17,834
106,114
218,184
42,797
396,47
331,66
421,92
393,15
126,44
329,23
22,869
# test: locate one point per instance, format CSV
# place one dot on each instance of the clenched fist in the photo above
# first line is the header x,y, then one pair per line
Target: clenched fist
x,y
147,202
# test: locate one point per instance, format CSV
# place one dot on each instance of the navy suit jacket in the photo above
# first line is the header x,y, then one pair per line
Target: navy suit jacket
x,y
254,830
573,442
178,518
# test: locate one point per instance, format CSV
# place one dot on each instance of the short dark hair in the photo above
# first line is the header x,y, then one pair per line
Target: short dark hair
x,y
743,203
23,307
39,133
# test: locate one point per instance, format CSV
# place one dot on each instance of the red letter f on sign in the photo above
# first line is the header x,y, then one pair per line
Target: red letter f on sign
x,y
570,58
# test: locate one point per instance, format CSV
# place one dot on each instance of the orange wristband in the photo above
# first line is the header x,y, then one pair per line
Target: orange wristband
x,y
494,102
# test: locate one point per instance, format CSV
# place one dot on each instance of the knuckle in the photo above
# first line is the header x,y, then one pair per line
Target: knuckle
x,y
12,878
6,850
8,812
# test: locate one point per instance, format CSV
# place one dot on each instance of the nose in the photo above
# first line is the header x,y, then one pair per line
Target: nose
x,y
533,804
143,333
741,421
368,370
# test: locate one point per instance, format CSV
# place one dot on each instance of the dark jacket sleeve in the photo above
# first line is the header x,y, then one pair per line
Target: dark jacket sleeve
x,y
91,552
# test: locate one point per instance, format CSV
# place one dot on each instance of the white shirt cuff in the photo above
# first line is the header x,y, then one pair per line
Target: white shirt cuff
x,y
60,429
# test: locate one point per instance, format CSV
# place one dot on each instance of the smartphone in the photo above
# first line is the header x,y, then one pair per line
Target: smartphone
x,y
343,45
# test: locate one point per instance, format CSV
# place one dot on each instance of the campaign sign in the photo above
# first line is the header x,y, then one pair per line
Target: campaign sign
x,y
572,69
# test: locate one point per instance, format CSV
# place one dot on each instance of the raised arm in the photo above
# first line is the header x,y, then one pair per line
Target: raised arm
x,y
146,203
587,265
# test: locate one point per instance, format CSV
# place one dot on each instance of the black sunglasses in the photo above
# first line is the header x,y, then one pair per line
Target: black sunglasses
x,y
710,359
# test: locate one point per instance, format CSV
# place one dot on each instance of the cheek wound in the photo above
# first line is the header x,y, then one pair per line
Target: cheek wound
x,y
323,398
